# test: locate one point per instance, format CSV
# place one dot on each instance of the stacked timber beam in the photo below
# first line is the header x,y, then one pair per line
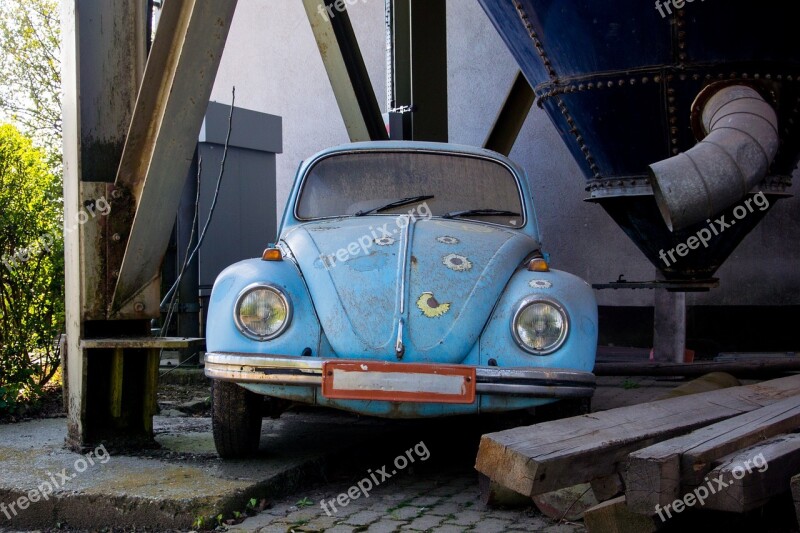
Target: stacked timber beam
x,y
796,495
725,450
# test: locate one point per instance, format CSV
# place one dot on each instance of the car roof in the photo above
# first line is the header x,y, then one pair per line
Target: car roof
x,y
416,145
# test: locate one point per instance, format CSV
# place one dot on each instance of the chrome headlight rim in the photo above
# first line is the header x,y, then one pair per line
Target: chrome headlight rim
x,y
527,302
243,329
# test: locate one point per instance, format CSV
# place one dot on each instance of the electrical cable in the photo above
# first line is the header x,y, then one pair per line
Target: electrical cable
x,y
213,202
171,294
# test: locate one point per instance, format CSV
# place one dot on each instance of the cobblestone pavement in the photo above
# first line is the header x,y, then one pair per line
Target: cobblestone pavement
x,y
441,502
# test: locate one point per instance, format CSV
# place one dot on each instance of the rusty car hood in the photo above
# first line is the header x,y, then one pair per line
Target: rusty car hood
x,y
441,278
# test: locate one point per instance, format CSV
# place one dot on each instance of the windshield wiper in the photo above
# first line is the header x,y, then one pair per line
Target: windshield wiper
x,y
480,213
396,203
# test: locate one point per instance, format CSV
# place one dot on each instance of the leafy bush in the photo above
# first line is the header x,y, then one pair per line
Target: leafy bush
x,y
31,268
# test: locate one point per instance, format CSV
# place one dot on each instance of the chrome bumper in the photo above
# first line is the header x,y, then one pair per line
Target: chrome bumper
x,y
491,380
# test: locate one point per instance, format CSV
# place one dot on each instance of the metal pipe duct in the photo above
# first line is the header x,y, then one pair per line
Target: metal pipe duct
x,y
739,140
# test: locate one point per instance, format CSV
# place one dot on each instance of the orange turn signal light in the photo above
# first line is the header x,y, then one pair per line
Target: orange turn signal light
x,y
538,264
272,254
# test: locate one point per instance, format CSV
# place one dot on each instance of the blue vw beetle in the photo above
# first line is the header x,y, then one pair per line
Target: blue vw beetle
x,y
408,281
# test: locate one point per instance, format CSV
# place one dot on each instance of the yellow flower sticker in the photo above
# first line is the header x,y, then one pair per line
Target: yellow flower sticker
x,y
430,307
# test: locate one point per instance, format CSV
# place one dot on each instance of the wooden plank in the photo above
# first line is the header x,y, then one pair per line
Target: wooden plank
x,y
168,343
568,503
495,495
652,479
655,475
613,516
607,487
544,457
738,433
754,475
754,356
796,495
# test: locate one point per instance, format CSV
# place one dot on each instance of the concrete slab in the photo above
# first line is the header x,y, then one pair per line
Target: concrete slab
x,y
44,484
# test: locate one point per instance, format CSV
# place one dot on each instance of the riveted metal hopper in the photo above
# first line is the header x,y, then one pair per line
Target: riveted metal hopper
x,y
623,81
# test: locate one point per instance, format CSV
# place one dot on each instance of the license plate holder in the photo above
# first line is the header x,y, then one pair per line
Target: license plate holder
x,y
398,382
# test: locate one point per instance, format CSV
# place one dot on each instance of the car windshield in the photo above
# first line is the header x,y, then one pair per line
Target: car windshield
x,y
359,183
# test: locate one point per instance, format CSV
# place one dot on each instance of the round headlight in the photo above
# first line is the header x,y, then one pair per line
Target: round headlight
x,y
262,312
540,326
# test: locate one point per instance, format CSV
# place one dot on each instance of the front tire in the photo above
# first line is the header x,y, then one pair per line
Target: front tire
x,y
235,419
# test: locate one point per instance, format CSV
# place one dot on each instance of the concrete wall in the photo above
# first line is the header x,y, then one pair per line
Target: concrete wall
x,y
273,61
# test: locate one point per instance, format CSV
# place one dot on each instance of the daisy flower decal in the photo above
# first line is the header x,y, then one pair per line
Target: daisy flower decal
x,y
447,240
456,262
540,284
430,306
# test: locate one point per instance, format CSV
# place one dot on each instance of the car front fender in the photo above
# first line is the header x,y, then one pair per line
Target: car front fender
x,y
571,292
303,331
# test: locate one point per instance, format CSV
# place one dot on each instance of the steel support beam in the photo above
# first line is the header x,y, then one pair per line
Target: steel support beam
x,y
401,53
158,152
512,116
400,125
419,57
104,52
669,330
346,70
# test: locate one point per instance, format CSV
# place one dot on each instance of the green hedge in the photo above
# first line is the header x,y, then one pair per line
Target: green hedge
x,y
31,269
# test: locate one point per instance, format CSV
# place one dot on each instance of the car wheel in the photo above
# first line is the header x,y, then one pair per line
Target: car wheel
x,y
235,419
